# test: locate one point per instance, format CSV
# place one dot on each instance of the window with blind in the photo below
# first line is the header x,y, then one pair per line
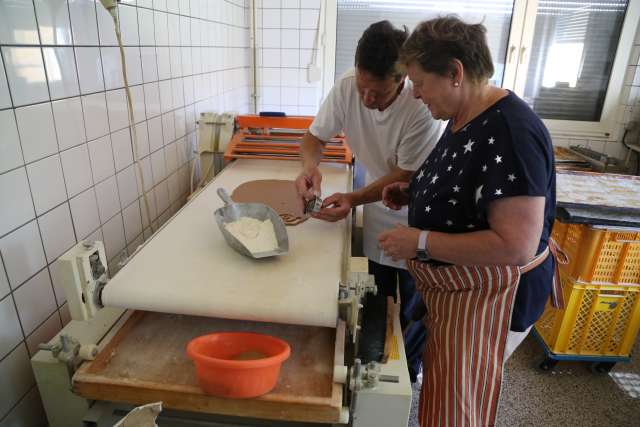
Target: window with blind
x,y
566,58
354,16
574,46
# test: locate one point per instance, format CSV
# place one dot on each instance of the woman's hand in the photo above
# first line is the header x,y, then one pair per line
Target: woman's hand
x,y
335,207
396,195
308,183
400,242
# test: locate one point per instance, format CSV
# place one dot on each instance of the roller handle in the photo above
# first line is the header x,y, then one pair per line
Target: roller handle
x,y
222,193
272,114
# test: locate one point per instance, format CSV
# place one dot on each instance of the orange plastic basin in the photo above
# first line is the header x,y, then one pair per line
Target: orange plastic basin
x,y
237,364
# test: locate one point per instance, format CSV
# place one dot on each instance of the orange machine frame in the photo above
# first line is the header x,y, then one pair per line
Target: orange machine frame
x,y
279,138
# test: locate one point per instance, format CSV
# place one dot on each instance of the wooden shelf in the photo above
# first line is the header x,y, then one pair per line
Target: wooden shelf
x,y
146,362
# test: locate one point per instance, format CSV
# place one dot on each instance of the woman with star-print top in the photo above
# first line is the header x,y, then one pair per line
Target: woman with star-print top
x,y
481,208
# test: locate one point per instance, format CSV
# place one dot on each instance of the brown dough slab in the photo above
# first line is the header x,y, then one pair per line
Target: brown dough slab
x,y
281,195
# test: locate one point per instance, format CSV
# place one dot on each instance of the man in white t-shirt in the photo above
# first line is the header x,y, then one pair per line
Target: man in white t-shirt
x,y
391,133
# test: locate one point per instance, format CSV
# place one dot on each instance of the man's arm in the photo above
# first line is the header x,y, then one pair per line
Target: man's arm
x,y
308,182
338,206
326,124
311,151
373,192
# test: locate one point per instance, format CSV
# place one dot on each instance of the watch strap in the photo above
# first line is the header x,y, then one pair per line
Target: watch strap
x,y
423,251
422,240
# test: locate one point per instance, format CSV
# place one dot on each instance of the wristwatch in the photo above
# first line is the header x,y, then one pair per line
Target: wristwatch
x,y
423,252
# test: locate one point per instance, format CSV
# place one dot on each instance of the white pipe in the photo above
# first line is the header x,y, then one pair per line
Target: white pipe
x,y
111,6
254,61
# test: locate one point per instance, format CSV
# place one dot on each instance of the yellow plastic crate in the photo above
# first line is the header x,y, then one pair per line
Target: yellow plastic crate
x,y
599,255
598,320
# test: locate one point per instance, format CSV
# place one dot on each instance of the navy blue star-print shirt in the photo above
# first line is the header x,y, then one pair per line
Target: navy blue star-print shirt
x,y
506,151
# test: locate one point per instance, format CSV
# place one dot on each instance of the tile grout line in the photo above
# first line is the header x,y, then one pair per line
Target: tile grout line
x,y
98,46
84,128
35,211
182,108
11,289
80,95
37,217
10,410
64,180
191,129
91,140
114,176
49,316
15,307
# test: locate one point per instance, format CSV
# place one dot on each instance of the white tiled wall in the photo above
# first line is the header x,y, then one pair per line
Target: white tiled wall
x,y
285,32
66,155
285,39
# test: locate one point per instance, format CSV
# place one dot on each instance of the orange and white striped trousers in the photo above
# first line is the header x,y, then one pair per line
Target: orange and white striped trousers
x,y
468,317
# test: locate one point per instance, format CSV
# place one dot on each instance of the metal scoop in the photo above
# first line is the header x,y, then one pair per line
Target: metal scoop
x,y
234,211
313,206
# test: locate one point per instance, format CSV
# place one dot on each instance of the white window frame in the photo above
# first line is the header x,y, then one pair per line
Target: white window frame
x,y
517,65
519,46
328,43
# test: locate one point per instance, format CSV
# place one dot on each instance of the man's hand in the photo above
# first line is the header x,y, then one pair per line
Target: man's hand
x,y
335,207
308,183
396,195
400,242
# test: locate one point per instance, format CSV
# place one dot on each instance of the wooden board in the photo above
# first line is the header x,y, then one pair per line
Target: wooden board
x,y
146,362
568,160
588,189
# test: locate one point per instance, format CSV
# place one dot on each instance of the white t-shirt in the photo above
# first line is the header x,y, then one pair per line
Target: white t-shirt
x,y
402,135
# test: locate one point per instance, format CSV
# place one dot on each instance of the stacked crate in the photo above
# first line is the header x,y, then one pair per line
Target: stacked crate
x,y
601,286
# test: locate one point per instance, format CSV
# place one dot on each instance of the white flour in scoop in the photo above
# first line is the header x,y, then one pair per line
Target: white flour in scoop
x,y
255,235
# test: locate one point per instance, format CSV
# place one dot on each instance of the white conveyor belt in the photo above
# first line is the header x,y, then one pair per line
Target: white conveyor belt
x,y
187,267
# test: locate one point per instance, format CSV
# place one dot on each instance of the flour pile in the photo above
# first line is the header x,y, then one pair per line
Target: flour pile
x,y
255,235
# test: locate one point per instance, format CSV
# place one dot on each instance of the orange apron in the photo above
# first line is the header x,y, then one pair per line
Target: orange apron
x,y
468,317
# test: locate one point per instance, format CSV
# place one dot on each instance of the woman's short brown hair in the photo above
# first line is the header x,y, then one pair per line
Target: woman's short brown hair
x,y
434,44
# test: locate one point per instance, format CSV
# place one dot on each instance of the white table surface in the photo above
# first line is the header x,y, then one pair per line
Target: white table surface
x,y
187,267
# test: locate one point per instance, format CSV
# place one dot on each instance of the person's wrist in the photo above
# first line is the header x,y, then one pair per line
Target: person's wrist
x,y
308,168
354,198
422,250
416,240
